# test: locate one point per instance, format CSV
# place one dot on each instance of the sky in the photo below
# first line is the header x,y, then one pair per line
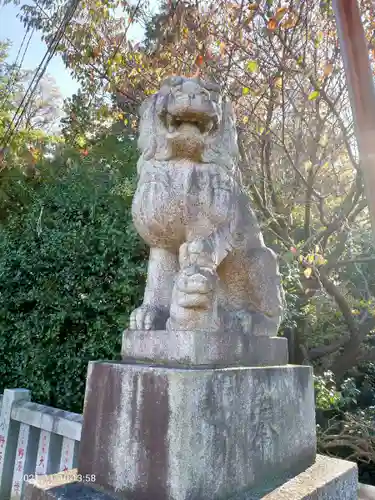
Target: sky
x,y
12,29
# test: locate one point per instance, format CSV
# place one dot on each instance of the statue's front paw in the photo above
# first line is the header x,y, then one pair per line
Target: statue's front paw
x,y
194,301
194,288
148,317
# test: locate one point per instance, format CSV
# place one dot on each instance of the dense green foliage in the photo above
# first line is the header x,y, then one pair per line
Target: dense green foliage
x,y
345,420
72,268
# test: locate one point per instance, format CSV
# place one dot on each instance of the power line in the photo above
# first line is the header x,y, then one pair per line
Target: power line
x,y
103,76
26,48
40,72
46,59
17,65
49,54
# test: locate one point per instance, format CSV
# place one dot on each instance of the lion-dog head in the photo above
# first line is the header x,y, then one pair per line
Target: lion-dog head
x,y
188,119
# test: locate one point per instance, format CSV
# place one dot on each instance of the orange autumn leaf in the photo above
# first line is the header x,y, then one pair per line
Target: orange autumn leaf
x,y
253,6
222,48
280,13
272,24
199,60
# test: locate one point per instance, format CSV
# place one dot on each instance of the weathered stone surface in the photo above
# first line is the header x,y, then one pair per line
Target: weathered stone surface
x,y
366,492
327,479
192,347
209,269
62,486
179,434
50,419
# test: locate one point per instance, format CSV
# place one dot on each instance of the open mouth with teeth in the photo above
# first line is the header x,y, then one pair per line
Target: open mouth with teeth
x,y
197,123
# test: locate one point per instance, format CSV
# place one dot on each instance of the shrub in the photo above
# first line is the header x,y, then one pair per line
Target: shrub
x,y
72,269
344,429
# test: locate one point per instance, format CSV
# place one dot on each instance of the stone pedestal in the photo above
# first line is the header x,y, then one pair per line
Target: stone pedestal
x,y
191,416
203,433
63,486
326,479
203,348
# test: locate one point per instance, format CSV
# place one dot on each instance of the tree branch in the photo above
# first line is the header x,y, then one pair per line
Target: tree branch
x,y
323,350
357,260
340,300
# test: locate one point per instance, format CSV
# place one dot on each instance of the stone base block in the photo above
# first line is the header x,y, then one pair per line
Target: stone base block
x,y
159,433
196,348
62,486
327,479
366,492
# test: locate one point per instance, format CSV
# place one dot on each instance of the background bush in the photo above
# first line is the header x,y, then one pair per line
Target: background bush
x,y
72,269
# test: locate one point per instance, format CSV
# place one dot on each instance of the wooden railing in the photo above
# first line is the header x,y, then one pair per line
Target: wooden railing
x,y
34,440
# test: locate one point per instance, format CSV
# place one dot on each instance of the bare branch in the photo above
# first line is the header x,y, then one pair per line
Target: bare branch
x,y
356,260
323,350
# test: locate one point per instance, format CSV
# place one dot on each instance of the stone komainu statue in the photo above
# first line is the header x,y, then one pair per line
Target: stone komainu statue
x,y
209,268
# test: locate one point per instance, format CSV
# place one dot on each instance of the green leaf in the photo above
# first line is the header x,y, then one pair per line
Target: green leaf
x,y
307,272
319,38
118,58
288,257
252,66
314,94
81,141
